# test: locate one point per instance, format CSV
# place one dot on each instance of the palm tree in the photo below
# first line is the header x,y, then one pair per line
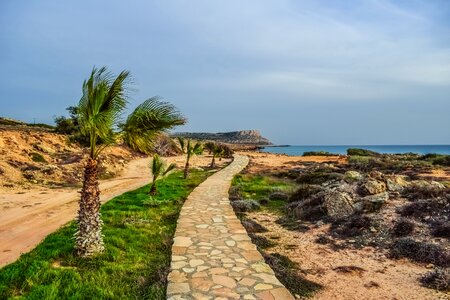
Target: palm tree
x,y
99,110
158,169
217,151
209,146
190,150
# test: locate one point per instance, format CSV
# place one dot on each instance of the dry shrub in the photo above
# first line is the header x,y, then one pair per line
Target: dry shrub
x,y
403,227
416,192
354,226
441,230
438,279
423,208
420,252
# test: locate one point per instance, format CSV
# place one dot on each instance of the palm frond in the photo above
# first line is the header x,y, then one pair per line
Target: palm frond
x,y
169,169
101,106
147,121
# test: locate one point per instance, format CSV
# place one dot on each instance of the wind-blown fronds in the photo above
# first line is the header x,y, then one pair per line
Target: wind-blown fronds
x,y
159,169
147,121
101,105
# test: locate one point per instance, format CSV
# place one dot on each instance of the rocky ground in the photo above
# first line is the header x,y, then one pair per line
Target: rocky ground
x,y
353,232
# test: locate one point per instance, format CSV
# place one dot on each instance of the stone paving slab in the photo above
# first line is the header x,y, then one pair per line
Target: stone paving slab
x,y
212,255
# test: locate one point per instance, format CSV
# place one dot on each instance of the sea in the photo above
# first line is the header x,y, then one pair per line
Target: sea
x,y
342,149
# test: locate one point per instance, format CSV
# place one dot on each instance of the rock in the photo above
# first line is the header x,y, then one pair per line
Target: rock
x,y
338,204
373,187
279,196
427,184
352,176
376,175
373,202
396,183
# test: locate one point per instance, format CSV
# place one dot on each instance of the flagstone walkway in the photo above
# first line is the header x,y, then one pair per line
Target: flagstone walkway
x,y
212,255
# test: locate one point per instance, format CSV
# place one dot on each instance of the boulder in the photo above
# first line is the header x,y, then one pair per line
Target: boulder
x,y
372,187
338,204
352,176
396,183
372,202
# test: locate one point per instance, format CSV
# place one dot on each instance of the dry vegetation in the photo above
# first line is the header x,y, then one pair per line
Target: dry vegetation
x,y
349,231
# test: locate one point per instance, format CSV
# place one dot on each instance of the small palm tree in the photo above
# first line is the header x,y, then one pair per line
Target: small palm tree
x,y
159,169
190,150
209,146
99,110
217,151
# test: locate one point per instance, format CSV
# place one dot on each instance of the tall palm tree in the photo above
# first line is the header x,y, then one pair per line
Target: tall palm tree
x,y
190,150
103,101
159,169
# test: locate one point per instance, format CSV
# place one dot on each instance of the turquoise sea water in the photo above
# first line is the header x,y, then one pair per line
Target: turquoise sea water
x,y
389,149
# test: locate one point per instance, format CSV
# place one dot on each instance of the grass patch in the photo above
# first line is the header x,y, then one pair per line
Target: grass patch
x,y
134,265
36,157
257,187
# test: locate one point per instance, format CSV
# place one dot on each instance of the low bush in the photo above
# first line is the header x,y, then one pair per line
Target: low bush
x,y
361,152
403,227
247,205
318,177
354,226
441,229
438,279
36,157
424,208
304,191
426,191
319,153
421,252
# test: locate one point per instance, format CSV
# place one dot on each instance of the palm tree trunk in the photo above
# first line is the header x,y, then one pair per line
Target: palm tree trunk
x,y
213,162
186,169
88,238
153,188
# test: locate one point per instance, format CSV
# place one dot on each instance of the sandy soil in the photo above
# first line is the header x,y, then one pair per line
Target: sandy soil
x,y
28,216
378,278
262,162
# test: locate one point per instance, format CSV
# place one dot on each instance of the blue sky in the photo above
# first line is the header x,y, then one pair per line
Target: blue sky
x,y
302,72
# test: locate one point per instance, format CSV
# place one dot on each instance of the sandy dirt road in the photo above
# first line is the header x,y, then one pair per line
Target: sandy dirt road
x,y
27,218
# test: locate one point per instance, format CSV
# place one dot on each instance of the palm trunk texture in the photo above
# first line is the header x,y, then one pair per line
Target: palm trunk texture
x,y
88,238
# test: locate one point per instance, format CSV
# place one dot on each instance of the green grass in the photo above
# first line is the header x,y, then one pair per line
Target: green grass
x,y
259,187
136,260
36,157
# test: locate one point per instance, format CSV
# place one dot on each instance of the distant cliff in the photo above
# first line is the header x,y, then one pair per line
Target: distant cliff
x,y
244,137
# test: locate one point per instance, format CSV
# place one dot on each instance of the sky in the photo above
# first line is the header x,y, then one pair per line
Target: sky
x,y
305,72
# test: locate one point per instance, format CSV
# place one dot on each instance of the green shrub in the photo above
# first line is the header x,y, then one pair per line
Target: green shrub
x,y
36,157
319,153
361,152
318,177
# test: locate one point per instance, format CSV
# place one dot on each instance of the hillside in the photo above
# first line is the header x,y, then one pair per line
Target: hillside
x,y
32,155
243,137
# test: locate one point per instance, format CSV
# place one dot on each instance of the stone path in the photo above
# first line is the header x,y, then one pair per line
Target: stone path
x,y
212,255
